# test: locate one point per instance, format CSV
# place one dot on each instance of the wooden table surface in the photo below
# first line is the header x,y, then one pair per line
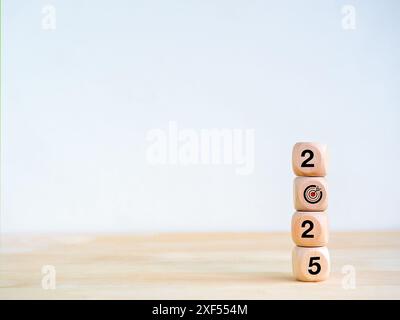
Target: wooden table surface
x,y
194,266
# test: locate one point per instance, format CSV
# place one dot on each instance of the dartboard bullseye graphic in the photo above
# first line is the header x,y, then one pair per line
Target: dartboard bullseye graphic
x,y
313,194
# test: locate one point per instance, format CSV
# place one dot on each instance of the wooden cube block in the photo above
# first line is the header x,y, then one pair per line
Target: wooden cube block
x,y
311,264
310,229
310,194
309,159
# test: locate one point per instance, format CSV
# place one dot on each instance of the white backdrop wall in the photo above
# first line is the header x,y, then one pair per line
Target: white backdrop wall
x,y
84,82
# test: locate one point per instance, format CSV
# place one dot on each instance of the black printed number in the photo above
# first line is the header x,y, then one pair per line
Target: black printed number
x,y
306,232
305,163
313,264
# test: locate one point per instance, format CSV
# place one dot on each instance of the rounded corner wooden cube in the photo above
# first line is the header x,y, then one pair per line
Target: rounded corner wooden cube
x,y
310,194
310,159
311,264
310,229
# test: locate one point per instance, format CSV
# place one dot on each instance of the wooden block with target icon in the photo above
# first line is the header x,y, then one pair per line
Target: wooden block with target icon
x,y
310,194
310,229
311,264
310,159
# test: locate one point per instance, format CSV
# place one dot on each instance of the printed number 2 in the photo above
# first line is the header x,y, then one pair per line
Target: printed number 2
x,y
305,163
314,264
310,225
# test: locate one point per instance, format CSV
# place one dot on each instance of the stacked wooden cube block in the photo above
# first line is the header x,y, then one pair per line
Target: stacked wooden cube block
x,y
310,257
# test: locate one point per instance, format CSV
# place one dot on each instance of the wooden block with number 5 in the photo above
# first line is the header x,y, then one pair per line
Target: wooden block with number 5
x,y
310,194
309,159
311,264
310,229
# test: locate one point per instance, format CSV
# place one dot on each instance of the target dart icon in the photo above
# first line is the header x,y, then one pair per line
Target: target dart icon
x,y
313,194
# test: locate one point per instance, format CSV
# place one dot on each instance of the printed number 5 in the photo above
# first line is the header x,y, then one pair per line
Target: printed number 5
x,y
314,264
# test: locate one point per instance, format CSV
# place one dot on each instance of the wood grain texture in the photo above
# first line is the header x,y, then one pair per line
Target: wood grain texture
x,y
307,260
313,156
310,229
194,266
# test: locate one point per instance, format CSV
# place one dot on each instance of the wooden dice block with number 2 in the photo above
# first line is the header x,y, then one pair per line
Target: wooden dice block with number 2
x,y
311,264
309,159
310,229
310,194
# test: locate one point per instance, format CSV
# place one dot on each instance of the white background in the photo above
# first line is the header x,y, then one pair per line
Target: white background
x,y
78,101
